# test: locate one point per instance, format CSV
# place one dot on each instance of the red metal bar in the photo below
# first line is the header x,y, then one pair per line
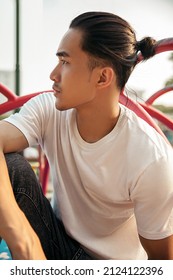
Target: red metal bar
x,y
7,93
14,101
157,94
156,114
141,112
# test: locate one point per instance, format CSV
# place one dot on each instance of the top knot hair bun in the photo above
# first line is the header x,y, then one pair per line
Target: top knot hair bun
x,y
147,47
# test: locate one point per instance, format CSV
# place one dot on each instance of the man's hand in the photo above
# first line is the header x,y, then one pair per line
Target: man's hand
x,y
23,242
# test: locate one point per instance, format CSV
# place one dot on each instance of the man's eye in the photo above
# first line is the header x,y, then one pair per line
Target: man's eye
x,y
63,61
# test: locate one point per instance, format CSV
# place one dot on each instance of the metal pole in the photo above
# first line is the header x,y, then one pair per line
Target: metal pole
x,y
17,70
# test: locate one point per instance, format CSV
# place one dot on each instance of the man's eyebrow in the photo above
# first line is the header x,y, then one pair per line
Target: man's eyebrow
x,y
62,53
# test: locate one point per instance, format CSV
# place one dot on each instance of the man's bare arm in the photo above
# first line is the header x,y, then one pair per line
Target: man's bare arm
x,y
161,249
14,227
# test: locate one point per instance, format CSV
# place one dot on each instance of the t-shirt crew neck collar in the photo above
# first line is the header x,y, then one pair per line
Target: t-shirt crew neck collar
x,y
103,140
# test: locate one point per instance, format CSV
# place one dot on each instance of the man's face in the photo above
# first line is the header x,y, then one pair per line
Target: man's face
x,y
74,83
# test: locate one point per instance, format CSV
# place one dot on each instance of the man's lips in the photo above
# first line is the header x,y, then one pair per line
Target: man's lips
x,y
56,90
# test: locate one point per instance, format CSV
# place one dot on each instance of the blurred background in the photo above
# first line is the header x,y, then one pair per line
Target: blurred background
x,y
39,26
31,30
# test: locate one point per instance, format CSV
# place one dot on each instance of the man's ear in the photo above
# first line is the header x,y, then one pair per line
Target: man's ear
x,y
106,76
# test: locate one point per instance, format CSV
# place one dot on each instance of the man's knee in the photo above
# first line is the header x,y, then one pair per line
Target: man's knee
x,y
18,167
15,161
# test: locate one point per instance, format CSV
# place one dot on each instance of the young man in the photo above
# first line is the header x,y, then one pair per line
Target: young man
x,y
111,172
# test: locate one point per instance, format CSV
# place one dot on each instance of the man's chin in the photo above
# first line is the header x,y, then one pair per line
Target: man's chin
x,y
61,107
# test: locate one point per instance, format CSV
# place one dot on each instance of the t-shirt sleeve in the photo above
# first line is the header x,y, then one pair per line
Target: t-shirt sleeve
x,y
32,118
153,199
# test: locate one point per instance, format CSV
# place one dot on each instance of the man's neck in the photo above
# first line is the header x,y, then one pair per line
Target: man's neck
x,y
94,125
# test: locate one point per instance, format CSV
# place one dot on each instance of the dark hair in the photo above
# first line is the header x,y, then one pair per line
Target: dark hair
x,y
110,40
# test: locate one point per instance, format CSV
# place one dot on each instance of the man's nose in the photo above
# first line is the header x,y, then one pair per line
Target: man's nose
x,y
55,74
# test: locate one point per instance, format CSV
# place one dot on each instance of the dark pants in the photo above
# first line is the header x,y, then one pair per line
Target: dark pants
x,y
56,243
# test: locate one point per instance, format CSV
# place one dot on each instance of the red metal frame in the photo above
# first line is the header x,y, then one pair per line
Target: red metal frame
x,y
14,101
157,94
161,46
154,112
141,111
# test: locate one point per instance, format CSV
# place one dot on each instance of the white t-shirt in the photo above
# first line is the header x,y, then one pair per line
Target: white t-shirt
x,y
109,191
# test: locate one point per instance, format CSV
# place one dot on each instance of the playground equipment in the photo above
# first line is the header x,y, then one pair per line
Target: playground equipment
x,y
149,113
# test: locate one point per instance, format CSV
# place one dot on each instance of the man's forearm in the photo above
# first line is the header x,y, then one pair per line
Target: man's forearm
x,y
14,227
8,206
11,217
